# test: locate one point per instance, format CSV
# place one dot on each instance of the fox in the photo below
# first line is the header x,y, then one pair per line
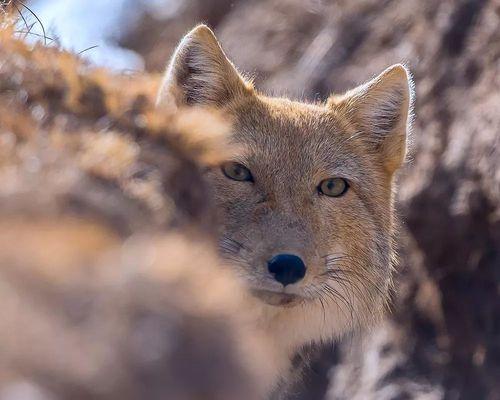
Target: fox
x,y
306,203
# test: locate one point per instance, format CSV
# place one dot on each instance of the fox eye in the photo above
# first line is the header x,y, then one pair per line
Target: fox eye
x,y
333,187
236,171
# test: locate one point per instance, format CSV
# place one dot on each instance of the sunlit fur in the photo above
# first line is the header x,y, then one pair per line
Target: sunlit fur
x,y
290,147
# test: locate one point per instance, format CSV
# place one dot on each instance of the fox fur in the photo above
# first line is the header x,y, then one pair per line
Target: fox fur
x,y
290,147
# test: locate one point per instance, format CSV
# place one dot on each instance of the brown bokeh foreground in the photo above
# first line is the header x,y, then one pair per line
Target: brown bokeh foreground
x,y
109,285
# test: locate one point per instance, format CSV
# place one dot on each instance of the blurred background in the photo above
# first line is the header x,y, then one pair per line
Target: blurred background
x,y
442,339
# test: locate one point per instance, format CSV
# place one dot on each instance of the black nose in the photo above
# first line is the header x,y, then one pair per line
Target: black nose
x,y
287,268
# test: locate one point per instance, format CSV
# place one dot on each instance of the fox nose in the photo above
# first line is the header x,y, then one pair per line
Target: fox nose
x,y
287,268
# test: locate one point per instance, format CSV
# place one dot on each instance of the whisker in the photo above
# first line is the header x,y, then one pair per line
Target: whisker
x,y
230,245
328,289
338,263
363,279
356,280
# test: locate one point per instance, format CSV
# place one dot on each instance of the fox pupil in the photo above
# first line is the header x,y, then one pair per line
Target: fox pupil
x,y
333,187
236,171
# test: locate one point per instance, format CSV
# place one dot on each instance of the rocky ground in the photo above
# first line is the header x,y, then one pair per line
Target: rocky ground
x,y
442,340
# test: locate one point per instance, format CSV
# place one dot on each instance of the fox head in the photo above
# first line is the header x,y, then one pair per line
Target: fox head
x,y
306,203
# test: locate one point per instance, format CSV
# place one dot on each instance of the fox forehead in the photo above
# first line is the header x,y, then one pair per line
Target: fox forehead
x,y
199,74
279,135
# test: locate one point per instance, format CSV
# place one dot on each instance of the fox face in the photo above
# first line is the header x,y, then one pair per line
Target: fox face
x,y
306,201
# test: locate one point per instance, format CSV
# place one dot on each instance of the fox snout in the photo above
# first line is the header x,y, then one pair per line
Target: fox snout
x,y
287,268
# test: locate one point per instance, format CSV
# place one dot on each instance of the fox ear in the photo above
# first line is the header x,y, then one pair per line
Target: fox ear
x,y
380,109
199,73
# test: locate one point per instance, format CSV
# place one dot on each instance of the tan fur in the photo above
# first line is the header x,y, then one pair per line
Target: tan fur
x,y
290,147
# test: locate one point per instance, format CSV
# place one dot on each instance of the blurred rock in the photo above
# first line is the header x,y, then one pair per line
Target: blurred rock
x,y
157,34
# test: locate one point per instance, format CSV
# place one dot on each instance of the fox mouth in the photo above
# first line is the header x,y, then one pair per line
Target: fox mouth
x,y
277,298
